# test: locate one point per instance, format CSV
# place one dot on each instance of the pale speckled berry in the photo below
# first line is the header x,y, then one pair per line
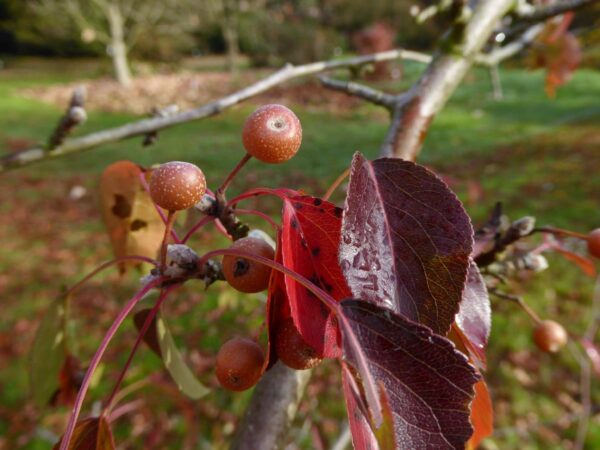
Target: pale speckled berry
x,y
550,336
177,185
272,134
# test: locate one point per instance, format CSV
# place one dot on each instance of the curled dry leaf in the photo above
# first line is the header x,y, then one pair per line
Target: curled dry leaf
x,y
93,433
133,225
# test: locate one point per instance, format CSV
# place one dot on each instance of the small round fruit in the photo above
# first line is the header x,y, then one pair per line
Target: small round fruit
x,y
177,185
292,349
550,336
239,364
272,134
246,275
593,243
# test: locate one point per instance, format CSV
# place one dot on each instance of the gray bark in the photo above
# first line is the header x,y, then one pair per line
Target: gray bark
x,y
272,408
118,48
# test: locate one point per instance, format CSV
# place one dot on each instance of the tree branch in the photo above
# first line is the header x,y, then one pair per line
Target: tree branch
x,y
541,13
145,126
272,408
413,115
360,90
512,48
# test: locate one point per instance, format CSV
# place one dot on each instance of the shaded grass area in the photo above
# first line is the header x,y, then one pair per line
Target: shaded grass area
x,y
538,156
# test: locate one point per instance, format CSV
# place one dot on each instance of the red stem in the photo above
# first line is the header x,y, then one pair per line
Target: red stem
x,y
261,214
66,440
261,191
105,265
203,221
336,183
165,242
331,303
163,295
233,173
561,232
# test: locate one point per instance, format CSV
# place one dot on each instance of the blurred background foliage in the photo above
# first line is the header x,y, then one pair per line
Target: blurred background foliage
x,y
539,156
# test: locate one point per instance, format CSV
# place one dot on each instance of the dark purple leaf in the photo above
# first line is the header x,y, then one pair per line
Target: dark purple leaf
x,y
151,337
91,434
406,241
474,317
428,382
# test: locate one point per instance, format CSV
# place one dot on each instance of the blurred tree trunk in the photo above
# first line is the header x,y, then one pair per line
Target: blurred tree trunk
x,y
118,49
230,35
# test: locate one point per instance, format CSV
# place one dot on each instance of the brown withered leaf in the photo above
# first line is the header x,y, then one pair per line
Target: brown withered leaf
x,y
133,225
92,433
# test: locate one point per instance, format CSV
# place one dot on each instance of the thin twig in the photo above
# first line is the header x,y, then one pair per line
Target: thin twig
x,y
75,115
145,126
541,13
360,90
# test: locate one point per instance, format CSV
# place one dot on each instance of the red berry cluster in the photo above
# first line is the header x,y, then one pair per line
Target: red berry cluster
x,y
271,134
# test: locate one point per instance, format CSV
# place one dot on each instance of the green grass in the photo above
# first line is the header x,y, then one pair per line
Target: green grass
x,y
539,156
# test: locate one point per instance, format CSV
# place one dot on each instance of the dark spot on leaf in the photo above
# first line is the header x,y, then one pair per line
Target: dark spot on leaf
x,y
315,251
338,211
241,267
137,224
322,210
310,294
294,223
298,205
121,208
317,201
303,243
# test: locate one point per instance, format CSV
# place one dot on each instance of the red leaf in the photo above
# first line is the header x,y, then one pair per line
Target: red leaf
x,y
482,415
363,436
474,318
559,52
406,241
151,337
91,434
428,382
278,308
69,381
310,242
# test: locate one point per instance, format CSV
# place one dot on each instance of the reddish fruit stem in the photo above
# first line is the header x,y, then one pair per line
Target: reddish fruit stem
x,y
262,191
336,183
329,301
165,241
221,190
261,214
203,221
163,295
158,209
66,440
106,265
561,232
